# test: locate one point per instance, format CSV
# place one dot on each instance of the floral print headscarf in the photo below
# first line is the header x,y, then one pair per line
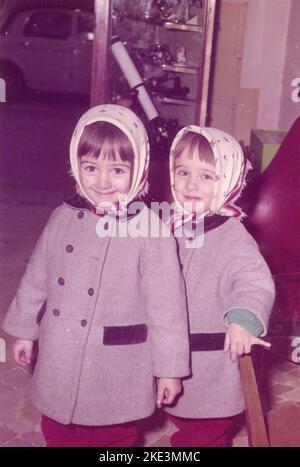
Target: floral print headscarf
x,y
231,170
134,129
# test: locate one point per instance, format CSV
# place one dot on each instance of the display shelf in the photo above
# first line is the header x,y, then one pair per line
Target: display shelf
x,y
171,49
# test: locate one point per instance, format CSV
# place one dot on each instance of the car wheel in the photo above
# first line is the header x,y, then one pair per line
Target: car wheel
x,y
14,84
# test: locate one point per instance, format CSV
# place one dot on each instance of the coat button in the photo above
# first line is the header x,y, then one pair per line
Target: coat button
x,y
56,312
61,281
69,248
80,215
83,323
91,292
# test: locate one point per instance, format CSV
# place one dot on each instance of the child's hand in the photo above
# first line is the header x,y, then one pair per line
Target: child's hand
x,y
22,350
167,390
239,341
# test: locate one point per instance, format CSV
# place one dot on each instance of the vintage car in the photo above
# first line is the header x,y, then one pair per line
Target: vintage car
x,y
47,50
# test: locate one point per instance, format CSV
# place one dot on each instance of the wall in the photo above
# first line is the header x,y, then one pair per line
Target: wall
x,y
264,56
227,65
257,56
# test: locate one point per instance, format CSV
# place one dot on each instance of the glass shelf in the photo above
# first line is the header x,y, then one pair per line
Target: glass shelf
x,y
159,22
182,27
190,70
173,101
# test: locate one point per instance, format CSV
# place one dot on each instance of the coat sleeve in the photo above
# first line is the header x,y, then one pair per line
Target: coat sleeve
x,y
165,308
247,282
21,318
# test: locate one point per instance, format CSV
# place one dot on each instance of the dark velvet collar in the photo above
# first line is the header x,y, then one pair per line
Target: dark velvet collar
x,y
77,202
204,225
212,222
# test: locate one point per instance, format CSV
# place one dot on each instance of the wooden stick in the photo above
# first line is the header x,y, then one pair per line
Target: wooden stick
x,y
256,428
99,88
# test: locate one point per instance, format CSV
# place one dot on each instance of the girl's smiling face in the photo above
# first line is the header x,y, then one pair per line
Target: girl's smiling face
x,y
104,179
194,181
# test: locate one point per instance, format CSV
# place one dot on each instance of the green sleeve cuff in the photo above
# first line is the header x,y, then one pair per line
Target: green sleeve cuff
x,y
246,319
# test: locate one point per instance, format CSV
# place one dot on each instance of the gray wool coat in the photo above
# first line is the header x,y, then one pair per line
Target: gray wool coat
x,y
95,366
226,272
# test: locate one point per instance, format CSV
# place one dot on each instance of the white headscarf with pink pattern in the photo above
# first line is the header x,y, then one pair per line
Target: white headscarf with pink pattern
x,y
231,170
134,129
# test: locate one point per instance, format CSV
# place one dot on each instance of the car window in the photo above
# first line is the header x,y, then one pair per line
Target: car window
x,y
13,25
85,26
55,25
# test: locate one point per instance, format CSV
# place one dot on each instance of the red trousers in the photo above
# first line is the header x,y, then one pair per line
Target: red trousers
x,y
56,434
202,432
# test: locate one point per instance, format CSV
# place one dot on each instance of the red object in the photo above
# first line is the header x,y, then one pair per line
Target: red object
x,y
58,435
205,432
273,201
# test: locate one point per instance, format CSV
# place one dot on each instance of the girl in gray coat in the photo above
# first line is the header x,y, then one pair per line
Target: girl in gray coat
x,y
115,311
229,287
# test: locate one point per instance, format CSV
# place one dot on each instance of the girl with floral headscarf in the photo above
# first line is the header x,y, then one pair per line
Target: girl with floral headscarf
x,y
109,320
229,287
